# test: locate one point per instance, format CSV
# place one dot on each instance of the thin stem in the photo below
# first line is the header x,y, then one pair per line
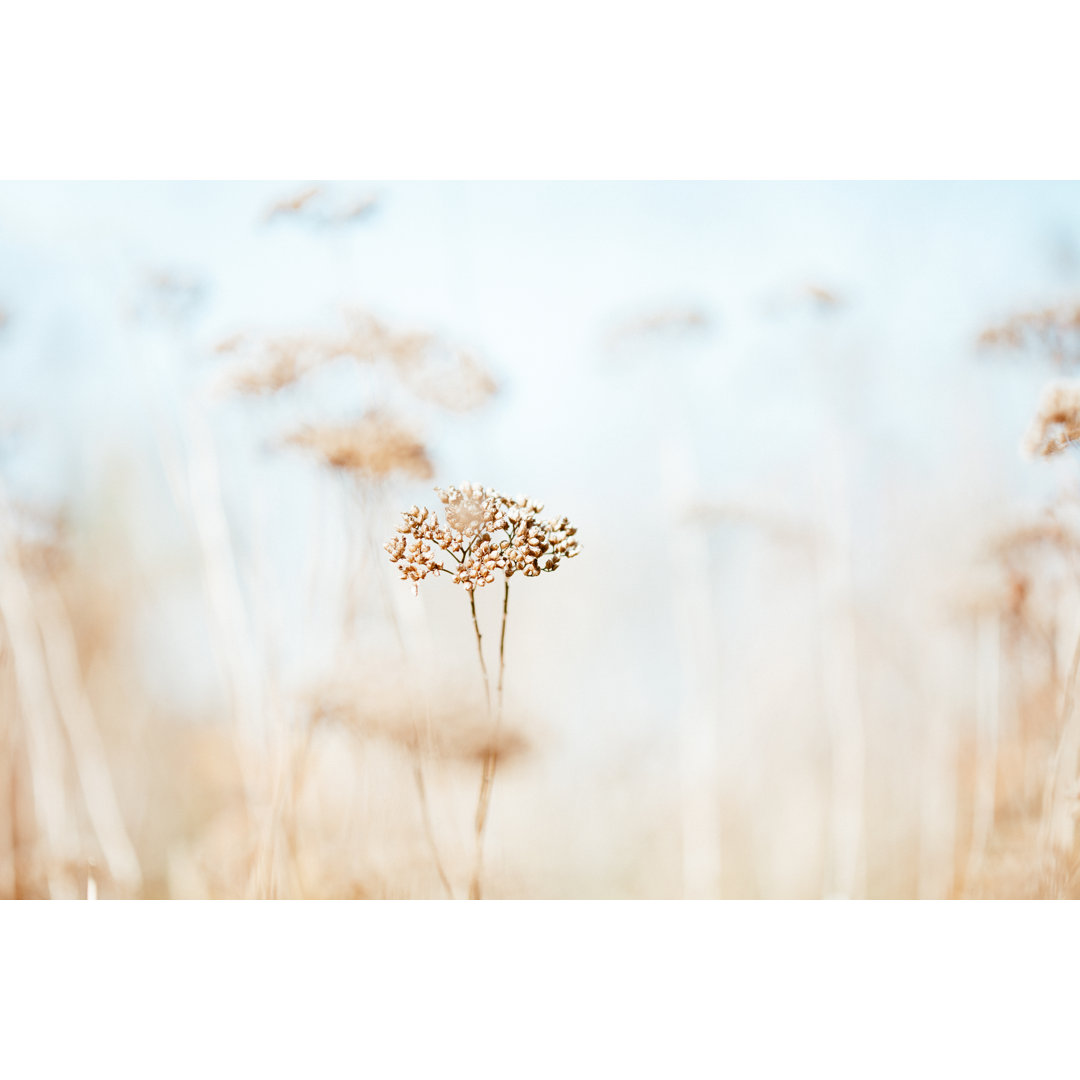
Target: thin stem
x,y
487,779
480,651
502,649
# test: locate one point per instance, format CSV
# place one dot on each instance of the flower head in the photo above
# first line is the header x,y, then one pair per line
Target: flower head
x,y
484,534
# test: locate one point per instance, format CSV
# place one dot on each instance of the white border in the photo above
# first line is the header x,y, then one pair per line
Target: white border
x,y
538,989
121,89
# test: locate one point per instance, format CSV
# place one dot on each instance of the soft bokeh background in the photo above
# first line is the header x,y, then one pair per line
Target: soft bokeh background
x,y
764,408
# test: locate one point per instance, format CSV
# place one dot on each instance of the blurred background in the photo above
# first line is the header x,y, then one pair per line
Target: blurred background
x,y
820,641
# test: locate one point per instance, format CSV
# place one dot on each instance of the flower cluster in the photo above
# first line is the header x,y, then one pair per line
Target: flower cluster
x,y
484,533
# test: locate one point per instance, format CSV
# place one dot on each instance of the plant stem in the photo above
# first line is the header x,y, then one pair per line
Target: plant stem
x,y
480,651
502,651
487,778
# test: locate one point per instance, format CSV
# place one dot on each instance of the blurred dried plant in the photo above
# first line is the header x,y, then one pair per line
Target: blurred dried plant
x,y
372,448
1056,425
318,207
63,809
1052,331
280,362
432,370
451,733
1037,560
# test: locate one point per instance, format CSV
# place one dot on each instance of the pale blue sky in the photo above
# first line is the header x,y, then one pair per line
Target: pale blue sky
x,y
532,275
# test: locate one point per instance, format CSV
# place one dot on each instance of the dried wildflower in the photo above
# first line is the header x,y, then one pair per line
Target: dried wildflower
x,y
485,534
1055,330
373,447
1056,425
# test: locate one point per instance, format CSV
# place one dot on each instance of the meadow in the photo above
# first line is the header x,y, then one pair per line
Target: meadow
x,y
567,541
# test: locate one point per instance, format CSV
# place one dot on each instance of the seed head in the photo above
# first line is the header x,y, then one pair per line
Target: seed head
x,y
484,534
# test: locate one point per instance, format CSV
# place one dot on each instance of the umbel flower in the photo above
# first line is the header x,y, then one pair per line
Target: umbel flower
x,y
483,534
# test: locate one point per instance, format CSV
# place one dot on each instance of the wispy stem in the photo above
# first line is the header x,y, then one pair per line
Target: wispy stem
x,y
480,650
